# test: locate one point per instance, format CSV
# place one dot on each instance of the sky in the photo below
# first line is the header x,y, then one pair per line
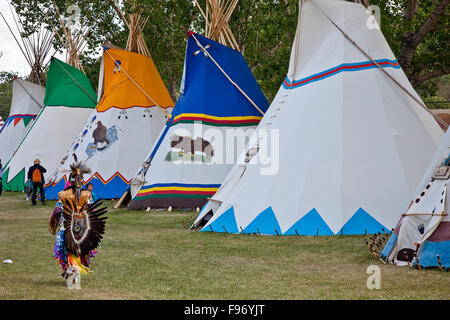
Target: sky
x,y
12,58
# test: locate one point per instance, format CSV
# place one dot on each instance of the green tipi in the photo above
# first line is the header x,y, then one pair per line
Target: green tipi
x,y
69,100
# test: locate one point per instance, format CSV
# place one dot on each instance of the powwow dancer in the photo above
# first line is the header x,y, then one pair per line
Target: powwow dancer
x,y
77,223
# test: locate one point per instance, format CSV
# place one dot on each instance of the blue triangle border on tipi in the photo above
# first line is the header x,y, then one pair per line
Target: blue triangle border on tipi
x,y
265,223
226,222
311,224
361,223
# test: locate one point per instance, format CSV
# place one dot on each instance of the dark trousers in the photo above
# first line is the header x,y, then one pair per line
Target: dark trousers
x,y
1,187
41,190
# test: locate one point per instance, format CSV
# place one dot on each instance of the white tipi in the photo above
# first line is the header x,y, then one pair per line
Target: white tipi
x,y
69,100
27,101
344,143
422,236
28,95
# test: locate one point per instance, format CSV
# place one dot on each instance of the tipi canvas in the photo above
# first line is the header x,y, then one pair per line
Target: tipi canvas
x,y
133,109
193,155
69,100
27,101
422,236
341,148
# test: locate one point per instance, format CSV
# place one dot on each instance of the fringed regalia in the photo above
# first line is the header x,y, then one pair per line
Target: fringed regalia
x,y
77,223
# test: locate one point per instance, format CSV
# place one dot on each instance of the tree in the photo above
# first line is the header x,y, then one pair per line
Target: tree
x,y
100,17
6,92
7,76
417,32
165,34
265,31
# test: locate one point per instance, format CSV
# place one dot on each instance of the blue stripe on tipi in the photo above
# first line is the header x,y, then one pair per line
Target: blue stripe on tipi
x,y
362,223
338,69
264,223
428,255
389,245
201,211
51,192
310,224
225,223
114,189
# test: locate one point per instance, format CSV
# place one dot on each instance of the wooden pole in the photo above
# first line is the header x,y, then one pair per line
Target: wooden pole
x,y
217,16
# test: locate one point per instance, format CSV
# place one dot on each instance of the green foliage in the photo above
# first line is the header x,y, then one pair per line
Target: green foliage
x,y
165,35
91,66
7,76
6,92
432,54
437,102
98,15
264,30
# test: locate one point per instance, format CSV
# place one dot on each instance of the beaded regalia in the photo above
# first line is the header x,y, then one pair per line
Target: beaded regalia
x,y
78,225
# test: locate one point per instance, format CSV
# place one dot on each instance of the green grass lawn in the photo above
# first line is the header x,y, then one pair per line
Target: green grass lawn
x,y
154,256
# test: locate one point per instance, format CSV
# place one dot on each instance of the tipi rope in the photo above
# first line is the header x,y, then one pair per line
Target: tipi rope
x,y
226,75
438,119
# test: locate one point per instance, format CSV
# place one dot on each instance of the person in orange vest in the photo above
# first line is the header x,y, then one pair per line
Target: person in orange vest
x,y
36,175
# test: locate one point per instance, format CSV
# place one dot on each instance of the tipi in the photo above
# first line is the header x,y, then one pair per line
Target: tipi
x,y
422,236
69,100
133,109
341,148
27,101
221,103
28,95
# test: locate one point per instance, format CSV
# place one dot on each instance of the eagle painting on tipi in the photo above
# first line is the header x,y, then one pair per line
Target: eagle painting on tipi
x,y
133,108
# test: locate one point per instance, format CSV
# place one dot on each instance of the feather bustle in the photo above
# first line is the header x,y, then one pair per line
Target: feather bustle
x,y
90,238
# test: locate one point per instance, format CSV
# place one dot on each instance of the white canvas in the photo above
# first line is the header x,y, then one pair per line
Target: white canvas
x,y
47,139
27,101
352,145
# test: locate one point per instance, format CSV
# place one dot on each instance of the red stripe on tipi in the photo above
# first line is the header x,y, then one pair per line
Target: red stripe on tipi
x,y
16,121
